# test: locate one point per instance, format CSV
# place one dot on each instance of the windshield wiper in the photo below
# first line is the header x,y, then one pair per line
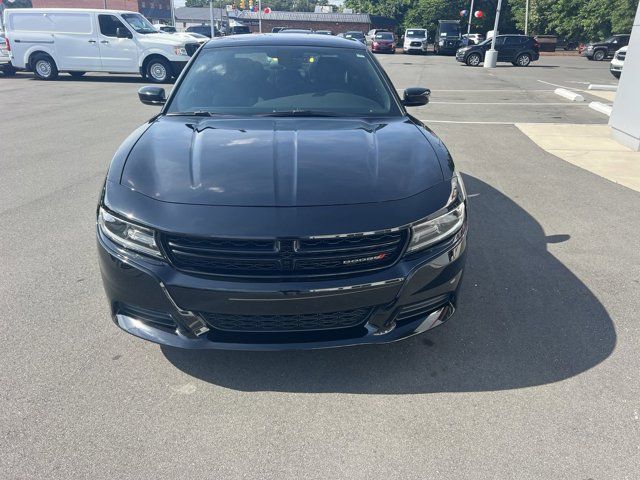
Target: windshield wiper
x,y
300,113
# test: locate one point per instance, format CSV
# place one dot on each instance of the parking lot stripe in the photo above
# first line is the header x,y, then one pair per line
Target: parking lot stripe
x,y
556,85
513,103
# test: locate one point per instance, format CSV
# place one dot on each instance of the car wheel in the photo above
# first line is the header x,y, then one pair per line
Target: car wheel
x,y
473,60
44,68
9,70
523,60
598,55
77,74
158,70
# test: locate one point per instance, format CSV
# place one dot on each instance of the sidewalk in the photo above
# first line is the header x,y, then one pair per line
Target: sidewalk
x,y
589,147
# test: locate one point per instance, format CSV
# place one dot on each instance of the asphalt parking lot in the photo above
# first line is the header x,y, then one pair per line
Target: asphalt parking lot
x,y
536,376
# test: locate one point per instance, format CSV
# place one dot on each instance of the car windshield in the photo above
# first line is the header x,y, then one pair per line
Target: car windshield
x,y
449,30
486,42
284,80
416,33
139,23
384,36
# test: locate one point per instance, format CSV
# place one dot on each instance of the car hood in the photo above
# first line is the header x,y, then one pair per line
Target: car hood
x,y
163,38
280,162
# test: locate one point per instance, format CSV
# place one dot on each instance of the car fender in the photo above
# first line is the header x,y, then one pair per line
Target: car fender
x,y
47,48
158,51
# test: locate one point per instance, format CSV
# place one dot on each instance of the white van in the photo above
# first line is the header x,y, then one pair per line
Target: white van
x,y
48,41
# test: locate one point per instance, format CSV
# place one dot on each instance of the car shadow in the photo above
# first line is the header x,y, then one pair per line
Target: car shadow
x,y
523,319
88,78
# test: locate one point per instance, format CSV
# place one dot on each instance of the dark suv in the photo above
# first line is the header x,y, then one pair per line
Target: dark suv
x,y
282,204
600,50
520,50
204,30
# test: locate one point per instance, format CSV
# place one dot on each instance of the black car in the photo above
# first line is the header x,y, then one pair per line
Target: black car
x,y
239,30
354,35
204,30
600,50
520,50
282,198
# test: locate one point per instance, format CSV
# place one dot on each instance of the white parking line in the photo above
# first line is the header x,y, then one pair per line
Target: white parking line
x,y
512,103
465,122
556,85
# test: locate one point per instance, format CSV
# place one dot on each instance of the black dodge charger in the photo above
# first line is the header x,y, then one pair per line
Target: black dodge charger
x,y
282,198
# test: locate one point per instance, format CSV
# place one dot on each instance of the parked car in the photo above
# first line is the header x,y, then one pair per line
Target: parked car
x,y
278,29
354,35
164,28
415,40
302,243
239,30
93,41
473,38
296,30
384,42
5,61
448,37
323,32
520,50
618,62
370,35
598,51
204,30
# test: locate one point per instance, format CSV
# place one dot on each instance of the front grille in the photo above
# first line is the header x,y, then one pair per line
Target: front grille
x,y
284,258
287,323
416,44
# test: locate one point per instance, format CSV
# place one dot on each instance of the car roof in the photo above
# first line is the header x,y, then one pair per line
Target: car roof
x,y
292,39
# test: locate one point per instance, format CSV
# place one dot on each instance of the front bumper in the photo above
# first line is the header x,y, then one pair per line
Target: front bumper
x,y
383,48
414,48
152,300
616,65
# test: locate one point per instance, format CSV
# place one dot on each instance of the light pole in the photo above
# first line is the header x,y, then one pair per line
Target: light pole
x,y
173,13
213,31
526,19
491,57
471,15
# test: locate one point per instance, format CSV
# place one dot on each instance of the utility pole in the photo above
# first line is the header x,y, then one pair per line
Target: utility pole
x,y
173,13
471,15
526,19
260,16
105,4
491,57
213,31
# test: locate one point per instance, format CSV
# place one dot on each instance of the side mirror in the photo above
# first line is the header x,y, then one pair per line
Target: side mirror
x,y
416,96
123,33
152,95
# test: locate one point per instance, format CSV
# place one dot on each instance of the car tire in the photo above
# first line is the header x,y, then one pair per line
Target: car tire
x,y
44,67
77,74
9,70
523,60
599,55
158,70
473,60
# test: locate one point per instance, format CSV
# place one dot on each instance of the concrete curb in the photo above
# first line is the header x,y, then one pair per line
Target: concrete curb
x,y
601,107
573,96
608,88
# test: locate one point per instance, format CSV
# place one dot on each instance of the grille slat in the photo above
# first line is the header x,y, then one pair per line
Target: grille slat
x,y
287,323
284,257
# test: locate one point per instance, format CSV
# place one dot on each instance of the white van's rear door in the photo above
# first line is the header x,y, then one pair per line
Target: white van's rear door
x,y
76,41
69,37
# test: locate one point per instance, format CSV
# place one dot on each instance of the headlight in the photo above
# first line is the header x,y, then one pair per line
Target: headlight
x,y
590,47
127,234
441,42
432,231
180,51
